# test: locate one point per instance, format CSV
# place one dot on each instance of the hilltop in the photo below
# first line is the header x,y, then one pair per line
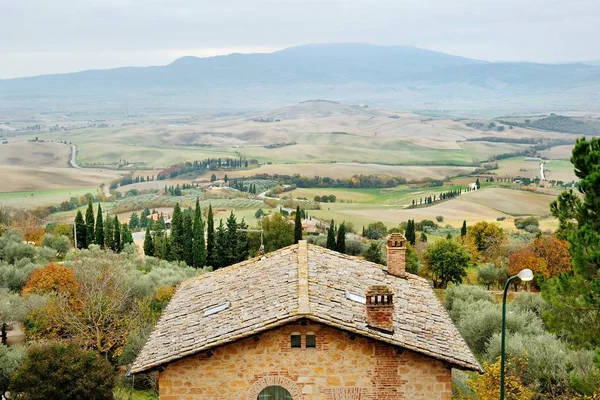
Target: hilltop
x,y
388,76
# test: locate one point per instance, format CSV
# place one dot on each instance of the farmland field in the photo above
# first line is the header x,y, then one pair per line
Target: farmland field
x,y
37,198
346,170
512,202
560,170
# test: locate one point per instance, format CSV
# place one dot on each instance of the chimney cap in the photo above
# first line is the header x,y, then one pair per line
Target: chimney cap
x,y
396,239
379,290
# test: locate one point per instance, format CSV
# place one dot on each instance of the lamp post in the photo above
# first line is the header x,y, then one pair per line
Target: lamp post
x,y
525,275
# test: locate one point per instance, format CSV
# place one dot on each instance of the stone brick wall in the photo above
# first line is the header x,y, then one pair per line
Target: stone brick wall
x,y
339,368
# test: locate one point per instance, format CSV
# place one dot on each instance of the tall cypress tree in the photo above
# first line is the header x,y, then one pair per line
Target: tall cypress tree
x,y
148,243
177,234
99,228
188,239
199,246
411,234
463,230
331,236
109,233
297,226
210,238
80,231
231,240
126,236
341,239
116,235
243,246
220,252
89,225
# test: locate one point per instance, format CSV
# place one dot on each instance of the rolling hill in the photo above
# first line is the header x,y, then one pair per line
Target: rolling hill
x,y
399,76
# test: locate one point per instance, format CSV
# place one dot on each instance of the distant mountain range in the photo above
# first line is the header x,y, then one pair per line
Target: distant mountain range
x,y
390,76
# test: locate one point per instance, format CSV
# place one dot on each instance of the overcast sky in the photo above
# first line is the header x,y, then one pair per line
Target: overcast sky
x,y
42,36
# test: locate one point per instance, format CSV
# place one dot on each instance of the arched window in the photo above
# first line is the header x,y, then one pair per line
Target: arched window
x,y
274,393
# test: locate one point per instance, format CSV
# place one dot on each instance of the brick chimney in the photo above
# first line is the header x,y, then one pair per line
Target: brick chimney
x,y
380,308
395,250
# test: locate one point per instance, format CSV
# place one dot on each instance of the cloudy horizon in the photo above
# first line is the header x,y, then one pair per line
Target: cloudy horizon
x,y
39,37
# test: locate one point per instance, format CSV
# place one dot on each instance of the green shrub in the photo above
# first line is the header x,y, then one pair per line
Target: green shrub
x,y
478,322
10,360
487,275
374,253
61,244
458,295
354,247
521,223
439,218
501,218
63,371
14,276
525,301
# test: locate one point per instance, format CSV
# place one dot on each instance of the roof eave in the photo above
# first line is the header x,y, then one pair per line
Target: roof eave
x,y
284,321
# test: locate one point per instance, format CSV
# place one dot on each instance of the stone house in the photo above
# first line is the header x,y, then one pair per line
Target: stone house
x,y
306,323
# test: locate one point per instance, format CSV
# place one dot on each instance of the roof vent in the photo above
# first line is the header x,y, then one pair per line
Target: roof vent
x,y
356,297
217,309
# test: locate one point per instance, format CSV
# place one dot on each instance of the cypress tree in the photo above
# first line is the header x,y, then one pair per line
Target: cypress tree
x,y
188,239
220,252
148,243
231,241
331,245
199,246
297,226
210,238
477,184
158,238
168,252
243,247
108,233
177,235
80,231
341,239
117,235
89,225
411,234
126,236
99,228
463,230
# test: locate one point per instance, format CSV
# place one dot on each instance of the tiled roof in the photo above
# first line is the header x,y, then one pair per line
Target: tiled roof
x,y
300,281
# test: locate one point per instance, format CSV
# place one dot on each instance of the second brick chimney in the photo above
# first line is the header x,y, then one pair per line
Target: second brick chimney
x,y
395,250
380,308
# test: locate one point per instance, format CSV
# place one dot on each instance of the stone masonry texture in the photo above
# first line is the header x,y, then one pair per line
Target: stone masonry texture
x,y
343,366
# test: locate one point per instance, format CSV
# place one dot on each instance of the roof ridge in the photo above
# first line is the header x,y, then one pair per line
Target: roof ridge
x,y
362,260
303,302
238,265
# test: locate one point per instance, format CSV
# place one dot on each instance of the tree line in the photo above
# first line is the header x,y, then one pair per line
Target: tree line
x,y
109,233
211,164
356,181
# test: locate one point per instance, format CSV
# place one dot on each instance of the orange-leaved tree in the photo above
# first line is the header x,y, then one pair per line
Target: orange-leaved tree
x,y
59,282
52,278
555,253
525,258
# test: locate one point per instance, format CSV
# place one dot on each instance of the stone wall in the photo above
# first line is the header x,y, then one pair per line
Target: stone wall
x,y
341,367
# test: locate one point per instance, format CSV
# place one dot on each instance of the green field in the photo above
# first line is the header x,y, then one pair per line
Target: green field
x,y
42,197
398,196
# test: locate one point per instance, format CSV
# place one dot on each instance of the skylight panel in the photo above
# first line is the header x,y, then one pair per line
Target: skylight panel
x,y
356,297
217,309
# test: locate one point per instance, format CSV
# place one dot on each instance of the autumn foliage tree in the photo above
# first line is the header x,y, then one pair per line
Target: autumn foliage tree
x,y
52,278
487,386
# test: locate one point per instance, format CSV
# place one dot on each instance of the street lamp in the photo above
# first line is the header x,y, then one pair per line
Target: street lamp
x,y
525,275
